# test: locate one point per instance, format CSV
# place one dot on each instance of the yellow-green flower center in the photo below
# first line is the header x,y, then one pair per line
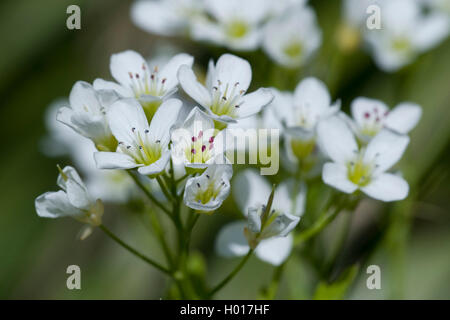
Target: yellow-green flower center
x,y
302,148
237,29
200,149
359,172
226,99
294,50
143,150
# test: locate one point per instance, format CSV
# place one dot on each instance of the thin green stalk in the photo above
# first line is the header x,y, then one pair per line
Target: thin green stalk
x,y
323,221
272,289
156,224
182,178
164,189
135,252
148,194
231,275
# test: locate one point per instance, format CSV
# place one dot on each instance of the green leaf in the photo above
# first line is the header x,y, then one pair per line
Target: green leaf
x,y
337,289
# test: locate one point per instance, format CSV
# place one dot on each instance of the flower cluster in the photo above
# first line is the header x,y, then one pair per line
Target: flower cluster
x,y
162,129
407,29
287,30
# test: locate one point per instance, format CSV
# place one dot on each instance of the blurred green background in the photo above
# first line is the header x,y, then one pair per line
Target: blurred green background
x,y
41,59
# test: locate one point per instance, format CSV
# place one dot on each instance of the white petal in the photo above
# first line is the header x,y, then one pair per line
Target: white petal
x,y
281,226
170,70
70,173
126,62
387,187
114,160
164,118
231,69
282,106
55,205
253,103
206,30
290,196
250,189
209,74
124,115
404,117
336,175
254,219
431,31
157,167
362,106
78,195
336,139
275,250
157,17
312,93
231,241
83,96
100,84
188,81
385,150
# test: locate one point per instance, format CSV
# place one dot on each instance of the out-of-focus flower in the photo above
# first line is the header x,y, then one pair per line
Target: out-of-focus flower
x,y
206,192
301,112
196,143
73,200
364,169
370,116
136,80
282,6
292,38
224,95
140,145
354,16
274,242
166,17
88,116
406,32
235,24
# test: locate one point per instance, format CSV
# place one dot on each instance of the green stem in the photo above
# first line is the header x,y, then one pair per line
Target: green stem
x,y
148,194
231,275
272,289
135,252
156,224
182,178
164,188
319,225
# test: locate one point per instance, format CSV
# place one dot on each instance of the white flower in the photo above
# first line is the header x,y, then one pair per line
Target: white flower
x,y
224,96
140,145
206,193
73,200
406,32
136,80
110,185
355,12
282,6
88,116
364,169
196,143
291,39
249,190
166,17
300,113
370,116
236,24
